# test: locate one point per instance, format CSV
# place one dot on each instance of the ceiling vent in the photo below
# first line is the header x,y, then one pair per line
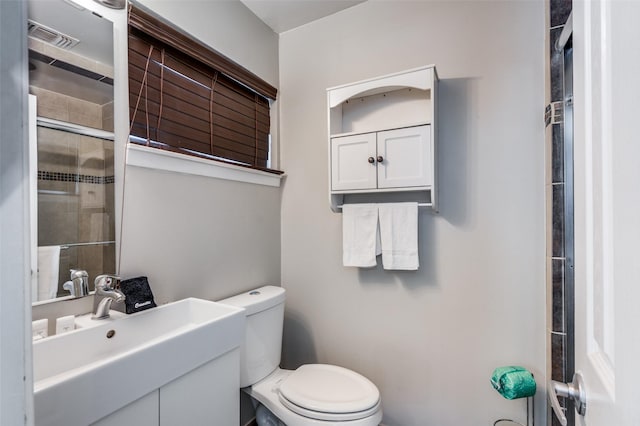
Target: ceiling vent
x,y
51,36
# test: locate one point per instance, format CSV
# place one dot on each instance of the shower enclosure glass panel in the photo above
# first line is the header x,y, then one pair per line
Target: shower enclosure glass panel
x,y
75,205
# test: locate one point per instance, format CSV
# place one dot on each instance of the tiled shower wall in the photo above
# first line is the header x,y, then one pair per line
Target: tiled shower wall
x,y
559,270
75,185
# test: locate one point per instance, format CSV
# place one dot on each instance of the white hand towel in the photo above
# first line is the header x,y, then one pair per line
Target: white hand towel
x,y
360,237
48,269
399,235
97,224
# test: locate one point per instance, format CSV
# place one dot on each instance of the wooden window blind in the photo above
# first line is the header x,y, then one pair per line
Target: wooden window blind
x,y
187,98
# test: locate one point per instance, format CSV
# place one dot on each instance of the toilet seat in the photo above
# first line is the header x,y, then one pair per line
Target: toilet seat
x,y
329,392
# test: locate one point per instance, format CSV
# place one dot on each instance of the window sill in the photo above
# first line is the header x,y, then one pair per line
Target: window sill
x,y
153,158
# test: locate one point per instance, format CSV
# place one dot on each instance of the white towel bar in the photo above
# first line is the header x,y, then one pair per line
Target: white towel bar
x,y
419,205
96,243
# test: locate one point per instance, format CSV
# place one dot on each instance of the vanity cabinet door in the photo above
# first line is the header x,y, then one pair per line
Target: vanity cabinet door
x,y
208,395
405,157
142,412
353,164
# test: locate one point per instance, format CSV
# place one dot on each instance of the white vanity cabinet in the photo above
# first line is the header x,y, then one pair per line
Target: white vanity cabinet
x,y
205,396
382,138
176,364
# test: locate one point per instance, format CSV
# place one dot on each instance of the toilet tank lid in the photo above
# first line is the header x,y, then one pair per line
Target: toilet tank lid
x,y
258,300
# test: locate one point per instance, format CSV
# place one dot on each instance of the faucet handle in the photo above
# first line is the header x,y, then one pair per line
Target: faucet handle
x,y
107,281
79,283
78,273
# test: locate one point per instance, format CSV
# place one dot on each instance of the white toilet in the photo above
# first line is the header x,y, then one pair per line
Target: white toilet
x,y
314,394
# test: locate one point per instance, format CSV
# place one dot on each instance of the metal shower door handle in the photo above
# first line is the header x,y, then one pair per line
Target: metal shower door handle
x,y
574,390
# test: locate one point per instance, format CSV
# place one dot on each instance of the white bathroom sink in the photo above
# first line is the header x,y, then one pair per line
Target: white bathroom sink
x,y
85,374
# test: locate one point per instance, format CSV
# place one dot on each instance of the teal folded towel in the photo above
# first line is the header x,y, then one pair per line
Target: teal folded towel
x,y
513,382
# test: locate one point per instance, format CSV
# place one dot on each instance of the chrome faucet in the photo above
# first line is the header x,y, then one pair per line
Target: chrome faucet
x,y
106,288
79,284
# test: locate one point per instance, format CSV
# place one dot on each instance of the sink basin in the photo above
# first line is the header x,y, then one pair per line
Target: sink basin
x,y
85,374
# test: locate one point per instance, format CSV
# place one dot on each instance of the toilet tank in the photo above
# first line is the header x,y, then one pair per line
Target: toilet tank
x,y
260,352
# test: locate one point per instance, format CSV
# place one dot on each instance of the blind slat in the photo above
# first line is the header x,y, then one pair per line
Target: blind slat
x,y
182,87
187,100
186,141
185,144
189,117
219,133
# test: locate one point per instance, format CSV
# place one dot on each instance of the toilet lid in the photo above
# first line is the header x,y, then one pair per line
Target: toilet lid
x,y
328,392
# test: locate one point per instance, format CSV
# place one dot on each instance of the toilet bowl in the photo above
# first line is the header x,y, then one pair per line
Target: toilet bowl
x,y
319,394
313,394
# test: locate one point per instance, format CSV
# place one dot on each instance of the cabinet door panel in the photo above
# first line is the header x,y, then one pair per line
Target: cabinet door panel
x,y
208,395
143,412
406,156
350,168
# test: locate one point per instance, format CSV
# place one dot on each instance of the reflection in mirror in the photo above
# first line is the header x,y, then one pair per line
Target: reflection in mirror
x,y
71,75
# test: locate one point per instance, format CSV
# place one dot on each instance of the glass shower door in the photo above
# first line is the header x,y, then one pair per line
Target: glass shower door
x,y
75,204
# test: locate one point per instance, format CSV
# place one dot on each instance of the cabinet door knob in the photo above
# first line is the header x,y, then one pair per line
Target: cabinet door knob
x,y
371,160
380,159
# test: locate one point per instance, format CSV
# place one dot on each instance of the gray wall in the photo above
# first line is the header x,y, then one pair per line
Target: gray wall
x,y
199,237
429,339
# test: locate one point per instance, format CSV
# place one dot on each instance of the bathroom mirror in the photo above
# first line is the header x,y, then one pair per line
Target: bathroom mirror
x,y
71,77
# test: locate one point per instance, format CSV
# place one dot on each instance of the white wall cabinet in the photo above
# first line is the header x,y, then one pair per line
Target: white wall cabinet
x,y
382,135
399,158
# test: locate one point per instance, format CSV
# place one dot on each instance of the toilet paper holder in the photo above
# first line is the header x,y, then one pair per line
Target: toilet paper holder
x,y
531,414
515,382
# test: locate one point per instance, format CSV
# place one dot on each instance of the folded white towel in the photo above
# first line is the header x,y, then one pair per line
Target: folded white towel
x,y
399,235
360,237
48,269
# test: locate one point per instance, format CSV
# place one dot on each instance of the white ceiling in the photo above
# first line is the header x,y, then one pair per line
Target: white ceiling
x,y
94,33
283,15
